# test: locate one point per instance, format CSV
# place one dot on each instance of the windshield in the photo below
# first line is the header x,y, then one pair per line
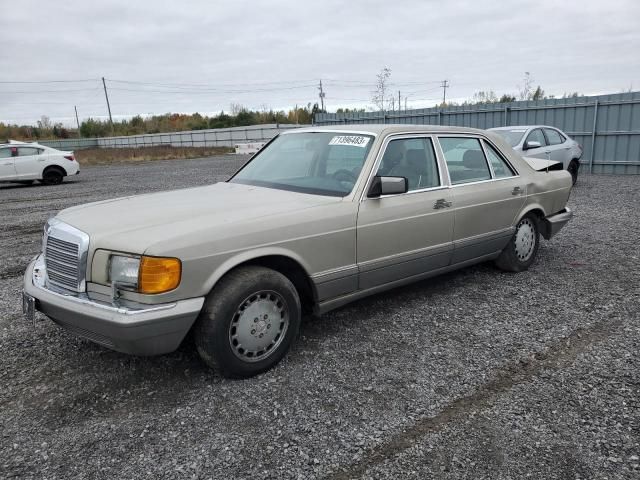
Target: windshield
x,y
321,163
512,137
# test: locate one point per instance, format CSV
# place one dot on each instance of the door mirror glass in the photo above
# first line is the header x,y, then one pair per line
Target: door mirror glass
x,y
387,186
529,144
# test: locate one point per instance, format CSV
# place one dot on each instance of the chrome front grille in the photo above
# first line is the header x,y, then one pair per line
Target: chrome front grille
x,y
61,259
65,255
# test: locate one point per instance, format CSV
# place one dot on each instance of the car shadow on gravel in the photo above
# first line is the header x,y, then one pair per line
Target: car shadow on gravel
x,y
112,385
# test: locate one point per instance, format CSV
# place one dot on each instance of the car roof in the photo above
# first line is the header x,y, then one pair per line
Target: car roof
x,y
385,129
523,127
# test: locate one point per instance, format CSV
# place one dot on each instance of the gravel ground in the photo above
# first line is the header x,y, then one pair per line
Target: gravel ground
x,y
474,374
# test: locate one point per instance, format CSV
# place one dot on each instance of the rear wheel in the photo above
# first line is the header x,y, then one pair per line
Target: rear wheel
x,y
522,249
249,322
52,176
573,168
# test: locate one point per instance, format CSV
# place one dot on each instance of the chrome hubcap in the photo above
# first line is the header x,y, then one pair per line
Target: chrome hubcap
x,y
525,240
258,326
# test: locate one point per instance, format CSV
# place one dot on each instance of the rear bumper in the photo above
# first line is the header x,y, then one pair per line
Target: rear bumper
x,y
554,223
135,329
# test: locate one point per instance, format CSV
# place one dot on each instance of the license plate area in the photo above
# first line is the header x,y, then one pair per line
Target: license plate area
x,y
29,308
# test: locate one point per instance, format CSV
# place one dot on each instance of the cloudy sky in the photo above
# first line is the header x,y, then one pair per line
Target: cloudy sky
x,y
202,56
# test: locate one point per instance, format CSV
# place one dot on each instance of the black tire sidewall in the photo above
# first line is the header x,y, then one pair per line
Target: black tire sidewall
x,y
52,177
212,327
573,170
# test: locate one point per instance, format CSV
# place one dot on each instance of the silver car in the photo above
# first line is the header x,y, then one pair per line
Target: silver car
x,y
542,141
318,218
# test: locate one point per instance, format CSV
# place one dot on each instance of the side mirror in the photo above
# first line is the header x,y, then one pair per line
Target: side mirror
x,y
529,144
387,186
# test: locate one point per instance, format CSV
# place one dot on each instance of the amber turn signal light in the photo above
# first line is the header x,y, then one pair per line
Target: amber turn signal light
x,y
158,275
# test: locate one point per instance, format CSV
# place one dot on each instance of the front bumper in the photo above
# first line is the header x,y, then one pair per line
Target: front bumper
x,y
554,223
136,329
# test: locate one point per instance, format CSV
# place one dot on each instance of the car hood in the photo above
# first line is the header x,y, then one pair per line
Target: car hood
x,y
135,223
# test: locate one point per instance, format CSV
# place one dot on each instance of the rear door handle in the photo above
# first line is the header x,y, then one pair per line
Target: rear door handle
x,y
441,203
516,191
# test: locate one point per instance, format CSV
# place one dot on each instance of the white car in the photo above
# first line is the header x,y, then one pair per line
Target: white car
x,y
542,141
26,162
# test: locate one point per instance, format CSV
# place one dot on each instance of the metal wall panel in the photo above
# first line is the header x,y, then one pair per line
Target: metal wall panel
x,y
217,137
611,143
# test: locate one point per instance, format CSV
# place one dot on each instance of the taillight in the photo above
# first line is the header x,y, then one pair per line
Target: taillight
x,y
69,157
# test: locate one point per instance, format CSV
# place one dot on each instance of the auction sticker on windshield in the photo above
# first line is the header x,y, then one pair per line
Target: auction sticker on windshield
x,y
353,140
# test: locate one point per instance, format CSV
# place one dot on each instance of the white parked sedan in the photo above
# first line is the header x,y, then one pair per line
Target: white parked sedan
x,y
541,141
26,162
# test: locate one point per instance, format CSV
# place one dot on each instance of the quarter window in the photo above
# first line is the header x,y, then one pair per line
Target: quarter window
x,y
537,136
412,158
553,136
465,160
501,169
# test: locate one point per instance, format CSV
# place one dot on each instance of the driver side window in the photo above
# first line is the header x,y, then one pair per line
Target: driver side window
x,y
412,158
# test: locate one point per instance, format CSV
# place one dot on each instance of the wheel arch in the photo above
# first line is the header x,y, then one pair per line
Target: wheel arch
x,y
537,210
283,261
54,166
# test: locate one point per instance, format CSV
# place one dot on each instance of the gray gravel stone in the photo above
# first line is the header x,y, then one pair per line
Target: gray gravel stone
x,y
474,374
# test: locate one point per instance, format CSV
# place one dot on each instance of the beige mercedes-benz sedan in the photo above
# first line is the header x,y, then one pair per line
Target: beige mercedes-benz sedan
x,y
316,219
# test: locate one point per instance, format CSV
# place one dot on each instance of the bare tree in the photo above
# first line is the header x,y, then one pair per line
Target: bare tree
x,y
45,123
525,91
379,96
236,108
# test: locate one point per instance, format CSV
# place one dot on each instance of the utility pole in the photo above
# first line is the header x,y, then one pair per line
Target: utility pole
x,y
445,85
393,104
321,95
405,104
399,102
108,106
77,121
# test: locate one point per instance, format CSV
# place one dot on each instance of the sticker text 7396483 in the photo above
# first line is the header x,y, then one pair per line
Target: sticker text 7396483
x,y
353,140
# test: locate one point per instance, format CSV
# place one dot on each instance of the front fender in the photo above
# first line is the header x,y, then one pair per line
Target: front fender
x,y
247,256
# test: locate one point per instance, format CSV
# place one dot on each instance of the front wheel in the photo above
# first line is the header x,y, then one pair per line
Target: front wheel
x,y
249,321
522,249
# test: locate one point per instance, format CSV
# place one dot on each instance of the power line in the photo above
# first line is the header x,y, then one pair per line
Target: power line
x,y
51,81
49,91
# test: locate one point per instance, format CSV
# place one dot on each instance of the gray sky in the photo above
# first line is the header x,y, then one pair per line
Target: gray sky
x,y
204,55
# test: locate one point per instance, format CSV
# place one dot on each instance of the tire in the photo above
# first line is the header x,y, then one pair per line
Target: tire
x,y
249,321
52,176
573,168
522,249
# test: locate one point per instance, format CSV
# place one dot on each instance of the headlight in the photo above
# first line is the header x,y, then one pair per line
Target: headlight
x,y
145,274
124,270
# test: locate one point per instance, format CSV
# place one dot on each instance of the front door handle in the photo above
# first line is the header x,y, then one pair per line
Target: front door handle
x,y
441,203
8,163
516,191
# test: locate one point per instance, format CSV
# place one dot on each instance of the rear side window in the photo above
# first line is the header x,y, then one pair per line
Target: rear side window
x,y
465,160
553,136
25,151
537,136
412,158
501,168
5,153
